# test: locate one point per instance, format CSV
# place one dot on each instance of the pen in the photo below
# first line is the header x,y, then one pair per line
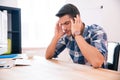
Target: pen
x,y
6,66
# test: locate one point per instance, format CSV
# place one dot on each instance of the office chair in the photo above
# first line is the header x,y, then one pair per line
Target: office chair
x,y
113,55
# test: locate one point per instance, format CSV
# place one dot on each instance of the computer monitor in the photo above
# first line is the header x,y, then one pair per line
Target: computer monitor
x,y
10,31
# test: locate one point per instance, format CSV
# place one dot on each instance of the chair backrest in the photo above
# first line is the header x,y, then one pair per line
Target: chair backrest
x,y
113,55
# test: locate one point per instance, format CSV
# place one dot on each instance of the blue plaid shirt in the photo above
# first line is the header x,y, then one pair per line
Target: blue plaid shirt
x,y
94,35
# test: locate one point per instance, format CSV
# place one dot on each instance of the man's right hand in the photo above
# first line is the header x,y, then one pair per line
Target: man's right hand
x,y
58,30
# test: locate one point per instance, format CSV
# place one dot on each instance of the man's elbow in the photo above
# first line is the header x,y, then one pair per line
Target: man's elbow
x,y
98,63
47,57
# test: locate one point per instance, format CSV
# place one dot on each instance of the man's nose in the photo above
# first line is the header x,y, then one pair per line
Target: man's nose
x,y
64,27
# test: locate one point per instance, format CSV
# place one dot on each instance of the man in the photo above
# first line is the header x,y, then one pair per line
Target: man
x,y
86,44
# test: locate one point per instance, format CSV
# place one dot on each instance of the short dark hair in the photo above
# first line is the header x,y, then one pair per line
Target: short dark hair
x,y
68,9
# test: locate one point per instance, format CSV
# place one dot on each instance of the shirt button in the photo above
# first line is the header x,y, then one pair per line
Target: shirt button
x,y
76,54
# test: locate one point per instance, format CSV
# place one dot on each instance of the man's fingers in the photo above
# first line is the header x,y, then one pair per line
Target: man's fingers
x,y
79,19
72,22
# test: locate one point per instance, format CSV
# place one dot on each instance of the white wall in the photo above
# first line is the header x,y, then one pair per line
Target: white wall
x,y
38,21
111,19
10,3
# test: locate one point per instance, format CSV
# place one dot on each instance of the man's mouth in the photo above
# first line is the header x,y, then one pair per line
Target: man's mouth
x,y
67,32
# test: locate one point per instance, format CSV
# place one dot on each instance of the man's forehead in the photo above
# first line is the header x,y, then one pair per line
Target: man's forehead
x,y
64,19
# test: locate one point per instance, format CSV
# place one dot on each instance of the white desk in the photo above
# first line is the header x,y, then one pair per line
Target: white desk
x,y
42,69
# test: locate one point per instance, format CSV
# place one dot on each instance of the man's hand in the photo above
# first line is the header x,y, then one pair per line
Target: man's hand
x,y
76,26
58,30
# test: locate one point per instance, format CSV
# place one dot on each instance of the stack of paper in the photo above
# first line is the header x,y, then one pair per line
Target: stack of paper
x,y
3,31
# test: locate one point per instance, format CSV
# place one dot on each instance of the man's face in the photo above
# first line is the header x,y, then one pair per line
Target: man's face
x,y
65,23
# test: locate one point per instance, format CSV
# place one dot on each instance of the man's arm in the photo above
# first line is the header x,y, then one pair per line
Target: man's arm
x,y
92,54
51,48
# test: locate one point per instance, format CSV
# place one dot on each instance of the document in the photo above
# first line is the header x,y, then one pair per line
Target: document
x,y
3,32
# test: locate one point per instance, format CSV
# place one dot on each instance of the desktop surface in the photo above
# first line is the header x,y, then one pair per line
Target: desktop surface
x,y
42,69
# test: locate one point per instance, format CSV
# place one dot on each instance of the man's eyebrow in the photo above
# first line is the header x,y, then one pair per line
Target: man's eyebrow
x,y
66,22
